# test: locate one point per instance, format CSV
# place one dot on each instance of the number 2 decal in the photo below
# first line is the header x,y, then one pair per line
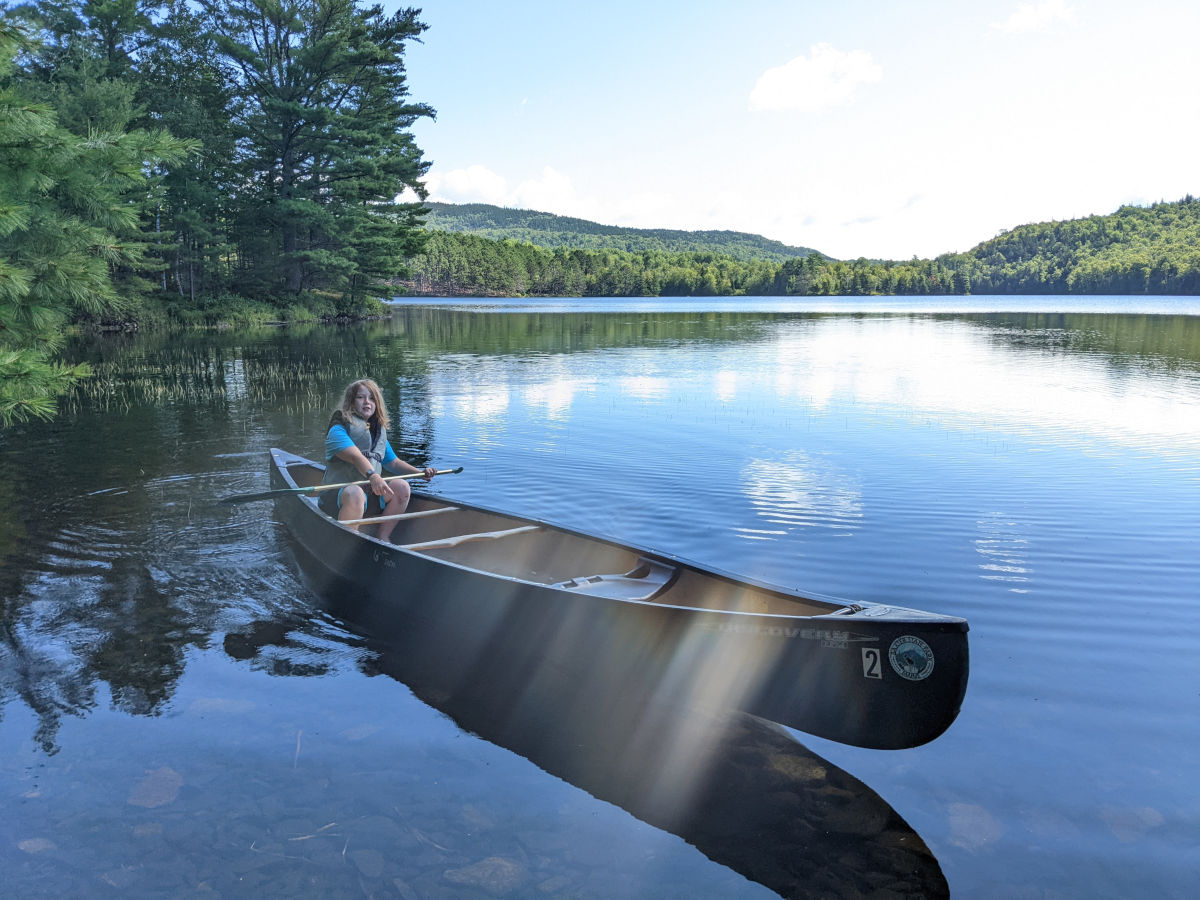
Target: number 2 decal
x,y
871,666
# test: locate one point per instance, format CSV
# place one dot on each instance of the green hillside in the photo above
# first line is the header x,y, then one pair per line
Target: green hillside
x,y
1136,250
551,231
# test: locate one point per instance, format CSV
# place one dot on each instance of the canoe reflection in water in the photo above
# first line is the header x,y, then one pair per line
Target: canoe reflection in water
x,y
739,788
742,790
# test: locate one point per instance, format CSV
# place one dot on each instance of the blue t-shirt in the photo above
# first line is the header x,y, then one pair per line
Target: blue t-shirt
x,y
337,440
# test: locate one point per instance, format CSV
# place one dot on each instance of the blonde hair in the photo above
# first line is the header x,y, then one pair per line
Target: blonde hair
x,y
379,418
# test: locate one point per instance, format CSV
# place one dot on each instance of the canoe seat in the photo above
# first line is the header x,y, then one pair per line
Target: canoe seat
x,y
644,582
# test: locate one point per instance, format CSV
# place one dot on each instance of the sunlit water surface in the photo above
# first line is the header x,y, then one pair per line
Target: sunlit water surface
x,y
181,715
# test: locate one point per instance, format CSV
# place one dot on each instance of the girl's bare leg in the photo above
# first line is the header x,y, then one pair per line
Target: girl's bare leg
x,y
354,501
399,502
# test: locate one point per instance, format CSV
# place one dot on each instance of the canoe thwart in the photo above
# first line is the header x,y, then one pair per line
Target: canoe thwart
x,y
447,543
644,582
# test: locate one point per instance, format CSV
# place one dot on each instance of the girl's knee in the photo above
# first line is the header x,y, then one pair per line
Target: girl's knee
x,y
400,495
352,503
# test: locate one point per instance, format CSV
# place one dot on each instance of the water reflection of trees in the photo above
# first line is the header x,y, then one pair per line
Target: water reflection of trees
x,y
1170,342
69,633
141,656
1121,337
299,369
303,367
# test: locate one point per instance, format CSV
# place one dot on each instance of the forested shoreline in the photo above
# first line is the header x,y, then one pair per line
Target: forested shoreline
x,y
1136,250
193,161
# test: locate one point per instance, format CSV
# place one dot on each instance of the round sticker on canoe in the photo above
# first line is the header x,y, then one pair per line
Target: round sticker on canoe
x,y
911,657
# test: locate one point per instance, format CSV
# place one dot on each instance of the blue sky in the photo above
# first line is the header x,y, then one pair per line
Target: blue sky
x,y
879,129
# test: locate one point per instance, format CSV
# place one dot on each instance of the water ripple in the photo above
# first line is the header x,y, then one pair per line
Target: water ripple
x,y
798,491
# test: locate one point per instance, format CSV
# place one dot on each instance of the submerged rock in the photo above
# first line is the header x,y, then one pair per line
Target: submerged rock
x,y
158,788
495,875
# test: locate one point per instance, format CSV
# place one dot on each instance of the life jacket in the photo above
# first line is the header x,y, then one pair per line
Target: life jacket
x,y
338,471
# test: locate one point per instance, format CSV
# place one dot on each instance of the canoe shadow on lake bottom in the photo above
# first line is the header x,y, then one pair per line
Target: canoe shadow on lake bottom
x,y
740,789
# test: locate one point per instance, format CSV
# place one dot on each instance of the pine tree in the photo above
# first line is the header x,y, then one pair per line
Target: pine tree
x,y
86,68
62,207
181,88
323,115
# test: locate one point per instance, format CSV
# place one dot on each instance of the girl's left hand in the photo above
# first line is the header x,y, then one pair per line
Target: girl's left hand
x,y
430,471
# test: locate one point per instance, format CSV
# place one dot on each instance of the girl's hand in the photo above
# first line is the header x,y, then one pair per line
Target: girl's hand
x,y
380,488
430,471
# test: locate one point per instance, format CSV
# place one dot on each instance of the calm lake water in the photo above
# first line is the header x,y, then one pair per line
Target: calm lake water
x,y
181,713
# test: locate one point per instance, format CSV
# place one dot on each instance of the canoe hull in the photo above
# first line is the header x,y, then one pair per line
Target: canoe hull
x,y
870,676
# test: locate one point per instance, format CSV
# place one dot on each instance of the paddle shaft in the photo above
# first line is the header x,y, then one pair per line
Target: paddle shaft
x,y
328,487
317,488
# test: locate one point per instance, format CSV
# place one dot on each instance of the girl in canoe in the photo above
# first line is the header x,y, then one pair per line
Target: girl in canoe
x,y
357,448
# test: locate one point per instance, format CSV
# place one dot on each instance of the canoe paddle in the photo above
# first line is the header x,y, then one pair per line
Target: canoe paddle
x,y
317,488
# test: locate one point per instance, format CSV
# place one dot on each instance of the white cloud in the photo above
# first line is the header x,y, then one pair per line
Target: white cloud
x,y
827,78
551,192
1036,16
555,192
474,184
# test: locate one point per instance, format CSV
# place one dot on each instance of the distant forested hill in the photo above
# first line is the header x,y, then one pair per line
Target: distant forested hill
x,y
548,230
1136,250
